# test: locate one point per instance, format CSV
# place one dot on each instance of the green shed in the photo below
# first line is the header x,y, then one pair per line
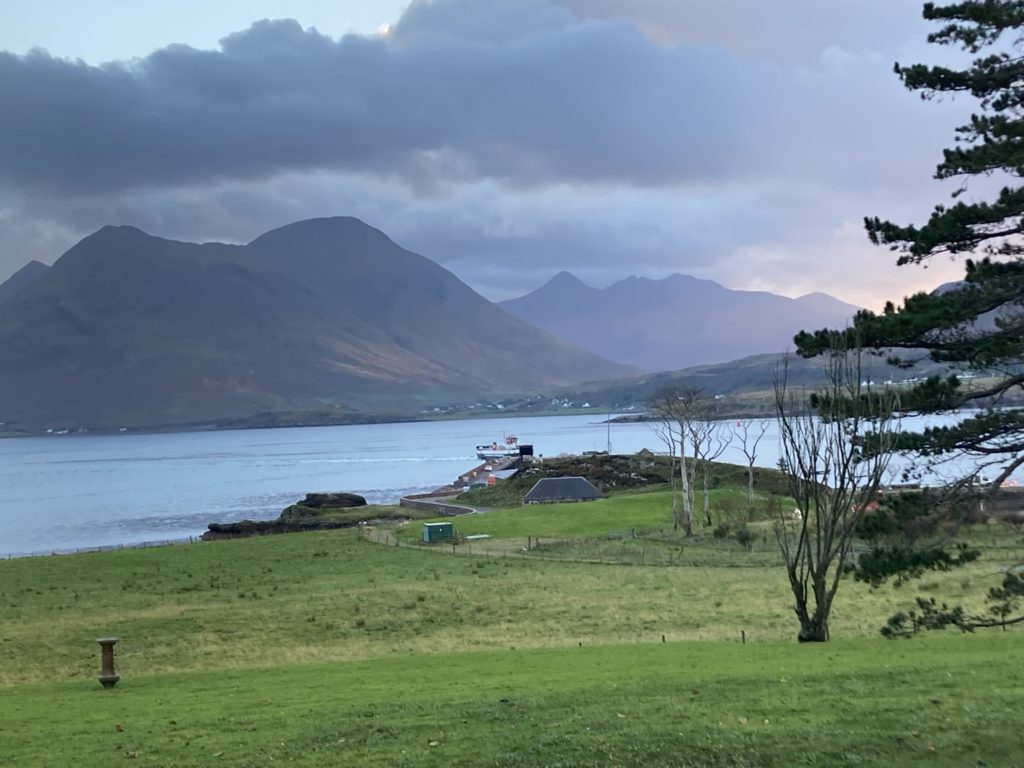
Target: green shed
x,y
438,532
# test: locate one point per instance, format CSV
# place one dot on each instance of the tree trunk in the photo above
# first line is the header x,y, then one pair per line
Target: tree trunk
x,y
676,509
813,625
675,491
707,498
687,497
750,487
813,631
691,488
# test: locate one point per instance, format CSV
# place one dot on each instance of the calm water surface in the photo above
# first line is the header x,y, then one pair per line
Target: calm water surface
x,y
76,491
68,492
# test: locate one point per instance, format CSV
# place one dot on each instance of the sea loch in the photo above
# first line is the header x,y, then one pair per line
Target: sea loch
x,y
81,491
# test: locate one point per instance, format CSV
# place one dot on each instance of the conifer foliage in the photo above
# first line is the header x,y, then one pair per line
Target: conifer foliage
x,y
975,326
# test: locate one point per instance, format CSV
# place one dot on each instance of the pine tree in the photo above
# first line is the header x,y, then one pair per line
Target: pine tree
x,y
976,326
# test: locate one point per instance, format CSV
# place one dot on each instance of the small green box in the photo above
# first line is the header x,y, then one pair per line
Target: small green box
x,y
438,532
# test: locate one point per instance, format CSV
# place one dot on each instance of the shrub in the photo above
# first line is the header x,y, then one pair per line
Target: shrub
x,y
746,538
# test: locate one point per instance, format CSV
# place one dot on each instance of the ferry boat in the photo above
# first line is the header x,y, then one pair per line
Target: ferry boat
x,y
507,448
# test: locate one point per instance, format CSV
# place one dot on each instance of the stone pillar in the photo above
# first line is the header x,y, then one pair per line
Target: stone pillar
x,y
107,677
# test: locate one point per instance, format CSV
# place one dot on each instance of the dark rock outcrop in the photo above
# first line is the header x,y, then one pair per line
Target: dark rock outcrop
x,y
316,512
332,500
245,528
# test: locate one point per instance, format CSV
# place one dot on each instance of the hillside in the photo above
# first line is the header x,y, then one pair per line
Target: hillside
x,y
131,329
744,386
21,279
674,323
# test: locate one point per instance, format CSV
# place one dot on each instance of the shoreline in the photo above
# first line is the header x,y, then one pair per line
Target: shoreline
x,y
413,500
203,427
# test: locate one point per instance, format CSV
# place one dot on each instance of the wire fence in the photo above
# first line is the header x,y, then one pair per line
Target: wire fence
x,y
618,548
103,548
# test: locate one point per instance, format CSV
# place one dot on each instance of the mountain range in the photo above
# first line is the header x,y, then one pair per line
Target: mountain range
x,y
130,329
674,323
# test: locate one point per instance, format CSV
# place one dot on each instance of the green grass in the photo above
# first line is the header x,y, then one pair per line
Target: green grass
x,y
585,518
619,473
645,510
329,596
631,527
322,649
942,701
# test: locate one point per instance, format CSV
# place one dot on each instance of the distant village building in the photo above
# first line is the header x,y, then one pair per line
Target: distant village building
x,y
556,489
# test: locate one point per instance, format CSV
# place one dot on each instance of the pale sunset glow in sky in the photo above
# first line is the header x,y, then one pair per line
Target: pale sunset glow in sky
x,y
739,140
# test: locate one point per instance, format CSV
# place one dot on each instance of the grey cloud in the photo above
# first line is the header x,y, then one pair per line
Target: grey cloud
x,y
592,101
507,139
522,92
506,242
501,241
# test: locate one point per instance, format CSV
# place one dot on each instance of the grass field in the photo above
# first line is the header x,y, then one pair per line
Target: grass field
x,y
641,509
303,598
940,701
325,649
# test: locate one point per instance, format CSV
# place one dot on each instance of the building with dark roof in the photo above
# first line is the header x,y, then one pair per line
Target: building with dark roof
x,y
555,489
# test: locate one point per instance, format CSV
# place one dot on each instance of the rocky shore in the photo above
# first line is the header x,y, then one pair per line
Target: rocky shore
x,y
316,512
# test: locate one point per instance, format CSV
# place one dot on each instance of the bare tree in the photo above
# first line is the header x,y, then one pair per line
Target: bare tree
x,y
750,434
709,437
667,430
833,477
675,409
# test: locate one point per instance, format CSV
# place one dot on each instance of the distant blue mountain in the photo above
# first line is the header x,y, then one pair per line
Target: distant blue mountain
x,y
677,322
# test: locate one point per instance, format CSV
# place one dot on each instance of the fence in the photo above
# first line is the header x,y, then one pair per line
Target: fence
x,y
620,549
103,548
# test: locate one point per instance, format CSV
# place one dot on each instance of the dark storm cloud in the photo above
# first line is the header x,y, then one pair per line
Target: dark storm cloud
x,y
558,100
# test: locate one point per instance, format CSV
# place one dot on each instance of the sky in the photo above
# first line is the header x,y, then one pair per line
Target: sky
x,y
739,141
